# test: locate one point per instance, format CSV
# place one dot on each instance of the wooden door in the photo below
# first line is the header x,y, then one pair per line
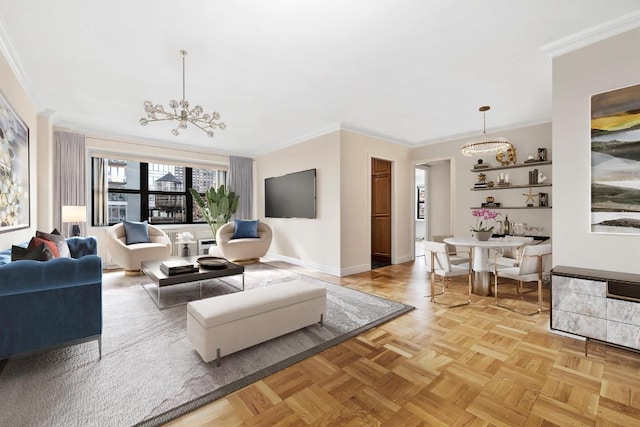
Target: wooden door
x,y
381,210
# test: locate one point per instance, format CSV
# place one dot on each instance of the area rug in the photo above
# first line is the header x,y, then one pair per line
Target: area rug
x,y
149,373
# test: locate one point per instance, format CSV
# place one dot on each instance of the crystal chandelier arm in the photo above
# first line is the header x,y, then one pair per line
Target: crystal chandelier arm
x,y
181,111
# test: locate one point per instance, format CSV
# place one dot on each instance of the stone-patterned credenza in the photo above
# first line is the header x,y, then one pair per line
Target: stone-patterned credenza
x,y
596,304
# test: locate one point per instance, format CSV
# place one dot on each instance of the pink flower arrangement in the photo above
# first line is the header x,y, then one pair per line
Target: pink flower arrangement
x,y
486,215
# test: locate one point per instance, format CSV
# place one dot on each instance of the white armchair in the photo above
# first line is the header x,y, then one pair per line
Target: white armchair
x,y
243,249
129,257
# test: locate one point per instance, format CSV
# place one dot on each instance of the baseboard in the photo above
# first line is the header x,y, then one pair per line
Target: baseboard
x,y
306,264
404,259
355,270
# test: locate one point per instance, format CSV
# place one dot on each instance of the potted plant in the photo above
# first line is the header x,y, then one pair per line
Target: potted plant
x,y
482,230
217,206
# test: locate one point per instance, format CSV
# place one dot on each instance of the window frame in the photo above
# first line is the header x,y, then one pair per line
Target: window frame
x,y
144,192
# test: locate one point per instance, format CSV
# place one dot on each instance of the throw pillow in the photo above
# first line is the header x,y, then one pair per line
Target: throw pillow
x,y
37,241
60,241
245,229
136,232
39,253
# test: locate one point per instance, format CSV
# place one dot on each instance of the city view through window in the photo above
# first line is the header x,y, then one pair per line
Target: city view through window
x,y
156,192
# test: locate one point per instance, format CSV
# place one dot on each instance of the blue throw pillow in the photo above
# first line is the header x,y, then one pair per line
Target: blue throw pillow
x,y
136,232
245,229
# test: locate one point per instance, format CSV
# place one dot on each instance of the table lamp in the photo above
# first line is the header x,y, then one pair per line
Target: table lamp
x,y
74,214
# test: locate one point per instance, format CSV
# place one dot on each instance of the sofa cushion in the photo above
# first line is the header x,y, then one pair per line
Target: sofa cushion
x,y
245,229
38,253
136,232
60,241
37,241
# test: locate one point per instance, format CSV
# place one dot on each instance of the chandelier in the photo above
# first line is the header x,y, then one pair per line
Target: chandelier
x,y
206,122
484,144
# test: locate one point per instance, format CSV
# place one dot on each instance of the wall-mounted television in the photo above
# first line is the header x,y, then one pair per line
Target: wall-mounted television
x,y
291,196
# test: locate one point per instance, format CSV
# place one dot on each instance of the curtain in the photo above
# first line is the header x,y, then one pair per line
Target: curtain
x,y
240,180
69,178
100,191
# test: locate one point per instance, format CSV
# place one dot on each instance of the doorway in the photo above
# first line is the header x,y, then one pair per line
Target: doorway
x,y
436,177
380,213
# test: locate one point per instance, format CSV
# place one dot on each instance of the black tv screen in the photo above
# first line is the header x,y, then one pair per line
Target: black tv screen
x,y
291,196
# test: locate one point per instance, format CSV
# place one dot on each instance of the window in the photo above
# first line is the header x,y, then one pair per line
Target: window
x,y
157,192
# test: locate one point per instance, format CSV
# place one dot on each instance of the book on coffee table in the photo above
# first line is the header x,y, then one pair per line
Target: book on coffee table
x,y
178,266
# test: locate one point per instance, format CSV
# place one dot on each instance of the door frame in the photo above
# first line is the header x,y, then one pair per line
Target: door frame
x,y
394,180
452,196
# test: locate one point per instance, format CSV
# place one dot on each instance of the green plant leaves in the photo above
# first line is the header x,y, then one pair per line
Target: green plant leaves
x,y
217,205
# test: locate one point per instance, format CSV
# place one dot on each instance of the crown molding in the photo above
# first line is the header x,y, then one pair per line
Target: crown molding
x,y
6,47
371,134
592,35
473,134
334,127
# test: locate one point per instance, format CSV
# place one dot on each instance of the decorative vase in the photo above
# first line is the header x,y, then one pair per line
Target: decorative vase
x,y
482,235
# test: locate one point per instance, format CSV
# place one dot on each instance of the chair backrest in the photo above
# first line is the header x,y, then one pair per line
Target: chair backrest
x,y
441,256
530,259
440,239
516,252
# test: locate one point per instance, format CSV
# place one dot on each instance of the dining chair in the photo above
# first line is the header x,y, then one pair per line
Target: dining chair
x,y
439,264
510,257
535,265
456,255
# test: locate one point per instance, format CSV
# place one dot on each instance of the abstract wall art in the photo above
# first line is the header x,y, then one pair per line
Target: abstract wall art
x,y
615,161
14,169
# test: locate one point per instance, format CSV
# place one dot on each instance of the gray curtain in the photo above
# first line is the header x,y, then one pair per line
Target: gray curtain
x,y
240,180
69,177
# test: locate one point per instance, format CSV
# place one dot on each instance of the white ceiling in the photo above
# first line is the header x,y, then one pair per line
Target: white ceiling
x,y
411,71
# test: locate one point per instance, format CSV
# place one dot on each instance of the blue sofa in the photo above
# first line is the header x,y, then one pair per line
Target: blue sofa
x,y
51,304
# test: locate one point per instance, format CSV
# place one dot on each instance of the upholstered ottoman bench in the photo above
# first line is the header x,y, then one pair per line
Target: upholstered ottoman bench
x,y
222,325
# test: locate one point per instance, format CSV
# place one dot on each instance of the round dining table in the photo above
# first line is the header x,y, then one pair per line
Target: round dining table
x,y
480,259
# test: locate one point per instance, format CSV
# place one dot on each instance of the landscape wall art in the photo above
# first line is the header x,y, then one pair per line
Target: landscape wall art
x,y
615,161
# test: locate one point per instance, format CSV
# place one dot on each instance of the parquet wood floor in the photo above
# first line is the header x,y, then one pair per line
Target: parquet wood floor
x,y
475,365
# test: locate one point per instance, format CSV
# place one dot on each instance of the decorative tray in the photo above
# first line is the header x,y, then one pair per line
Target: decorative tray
x,y
212,262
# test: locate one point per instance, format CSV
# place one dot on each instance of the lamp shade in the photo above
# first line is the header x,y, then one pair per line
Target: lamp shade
x,y
74,214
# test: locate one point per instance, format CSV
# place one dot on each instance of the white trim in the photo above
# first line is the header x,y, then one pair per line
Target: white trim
x,y
592,35
470,134
348,271
406,258
365,132
302,138
306,264
6,47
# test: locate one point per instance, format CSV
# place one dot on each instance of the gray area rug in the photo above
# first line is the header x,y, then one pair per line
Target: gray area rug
x,y
149,373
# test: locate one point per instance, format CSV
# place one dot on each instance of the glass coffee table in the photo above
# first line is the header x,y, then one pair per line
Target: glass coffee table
x,y
160,279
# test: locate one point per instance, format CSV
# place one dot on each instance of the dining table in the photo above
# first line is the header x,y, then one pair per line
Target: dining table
x,y
480,258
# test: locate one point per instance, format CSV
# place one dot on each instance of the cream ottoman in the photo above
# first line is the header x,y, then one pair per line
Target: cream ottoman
x,y
222,325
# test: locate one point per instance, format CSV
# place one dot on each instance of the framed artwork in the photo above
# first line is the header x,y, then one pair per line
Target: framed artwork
x,y
615,161
14,169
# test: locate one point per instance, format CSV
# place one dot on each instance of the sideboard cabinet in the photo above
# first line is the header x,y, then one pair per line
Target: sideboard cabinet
x,y
596,304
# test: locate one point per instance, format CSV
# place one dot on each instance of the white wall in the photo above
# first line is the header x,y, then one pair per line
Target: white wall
x,y
526,140
313,243
338,241
439,198
357,150
607,65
